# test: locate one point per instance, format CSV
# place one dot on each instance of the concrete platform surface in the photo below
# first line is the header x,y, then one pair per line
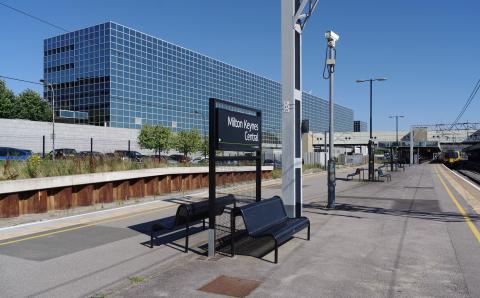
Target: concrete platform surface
x,y
416,236
405,238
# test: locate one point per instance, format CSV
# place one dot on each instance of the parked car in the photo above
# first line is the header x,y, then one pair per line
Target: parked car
x,y
180,158
164,159
14,153
109,155
275,163
95,154
132,155
63,153
200,160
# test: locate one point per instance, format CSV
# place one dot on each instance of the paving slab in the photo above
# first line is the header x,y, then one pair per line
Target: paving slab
x,y
403,238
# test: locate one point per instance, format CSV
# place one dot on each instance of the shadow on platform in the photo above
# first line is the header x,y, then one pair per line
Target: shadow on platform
x,y
421,209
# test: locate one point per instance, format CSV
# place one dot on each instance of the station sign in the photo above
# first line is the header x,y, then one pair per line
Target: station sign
x,y
238,131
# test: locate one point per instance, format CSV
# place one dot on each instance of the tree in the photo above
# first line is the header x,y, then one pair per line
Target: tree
x,y
157,138
30,105
146,137
6,101
188,141
205,146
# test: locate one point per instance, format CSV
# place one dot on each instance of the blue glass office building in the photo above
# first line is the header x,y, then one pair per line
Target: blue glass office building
x,y
124,78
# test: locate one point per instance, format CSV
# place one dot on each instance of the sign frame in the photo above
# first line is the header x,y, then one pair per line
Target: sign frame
x,y
215,145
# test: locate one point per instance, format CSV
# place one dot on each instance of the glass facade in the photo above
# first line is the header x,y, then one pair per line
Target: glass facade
x,y
125,78
359,126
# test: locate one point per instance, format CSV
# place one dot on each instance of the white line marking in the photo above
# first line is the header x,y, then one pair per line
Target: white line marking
x,y
465,179
89,213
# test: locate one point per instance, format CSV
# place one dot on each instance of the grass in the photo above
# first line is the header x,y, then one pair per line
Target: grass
x,y
11,170
277,173
311,167
36,168
136,279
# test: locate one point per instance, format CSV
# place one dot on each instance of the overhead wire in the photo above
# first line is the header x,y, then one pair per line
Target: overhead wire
x,y
20,80
33,17
469,101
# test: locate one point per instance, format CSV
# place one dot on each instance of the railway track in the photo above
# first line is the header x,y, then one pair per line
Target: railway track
x,y
471,170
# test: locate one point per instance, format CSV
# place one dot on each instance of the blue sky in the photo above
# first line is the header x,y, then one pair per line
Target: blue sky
x,y
429,50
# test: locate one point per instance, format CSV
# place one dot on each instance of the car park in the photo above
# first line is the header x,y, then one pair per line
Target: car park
x,y
9,153
63,153
129,155
180,158
95,154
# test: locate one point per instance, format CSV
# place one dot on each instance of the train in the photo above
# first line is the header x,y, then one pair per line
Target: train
x,y
451,158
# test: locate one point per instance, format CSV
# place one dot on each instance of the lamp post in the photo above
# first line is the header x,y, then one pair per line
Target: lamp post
x,y
332,39
396,125
371,166
396,136
49,85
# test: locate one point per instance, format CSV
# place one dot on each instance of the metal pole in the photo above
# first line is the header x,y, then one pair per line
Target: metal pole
x,y
331,161
258,164
371,165
325,152
391,158
411,146
43,146
396,128
129,146
91,146
53,118
211,177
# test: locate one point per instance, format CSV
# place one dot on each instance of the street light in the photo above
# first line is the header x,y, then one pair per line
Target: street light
x,y
396,142
45,83
396,124
371,166
332,39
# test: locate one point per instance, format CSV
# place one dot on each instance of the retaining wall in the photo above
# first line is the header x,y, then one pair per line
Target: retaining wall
x,y
39,195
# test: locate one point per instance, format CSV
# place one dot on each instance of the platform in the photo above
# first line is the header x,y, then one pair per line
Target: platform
x,y
414,236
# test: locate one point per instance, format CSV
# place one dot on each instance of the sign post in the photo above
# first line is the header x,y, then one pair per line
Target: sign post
x,y
231,130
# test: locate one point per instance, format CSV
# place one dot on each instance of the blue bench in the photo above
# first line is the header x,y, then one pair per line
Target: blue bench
x,y
268,218
189,214
381,174
357,172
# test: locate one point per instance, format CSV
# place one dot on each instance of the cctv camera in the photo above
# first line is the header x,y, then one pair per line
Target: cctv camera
x,y
330,35
331,38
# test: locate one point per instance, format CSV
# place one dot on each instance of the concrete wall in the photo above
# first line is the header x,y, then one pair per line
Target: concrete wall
x,y
40,195
28,135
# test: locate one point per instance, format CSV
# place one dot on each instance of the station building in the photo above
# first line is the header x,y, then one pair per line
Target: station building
x,y
115,76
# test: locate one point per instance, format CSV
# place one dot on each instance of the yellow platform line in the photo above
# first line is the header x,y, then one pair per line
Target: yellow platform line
x,y
467,219
84,225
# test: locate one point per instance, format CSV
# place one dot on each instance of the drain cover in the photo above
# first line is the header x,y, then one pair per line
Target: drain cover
x,y
230,286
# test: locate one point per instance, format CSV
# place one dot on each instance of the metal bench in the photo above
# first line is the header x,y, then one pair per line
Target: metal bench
x,y
189,214
268,218
357,172
381,174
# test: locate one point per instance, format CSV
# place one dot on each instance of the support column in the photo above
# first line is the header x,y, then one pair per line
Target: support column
x,y
411,146
292,195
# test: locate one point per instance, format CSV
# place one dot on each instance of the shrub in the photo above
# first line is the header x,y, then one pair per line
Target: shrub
x,y
33,166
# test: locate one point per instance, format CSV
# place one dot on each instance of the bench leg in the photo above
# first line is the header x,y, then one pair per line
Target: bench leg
x,y
204,223
232,233
276,252
151,239
308,232
187,231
